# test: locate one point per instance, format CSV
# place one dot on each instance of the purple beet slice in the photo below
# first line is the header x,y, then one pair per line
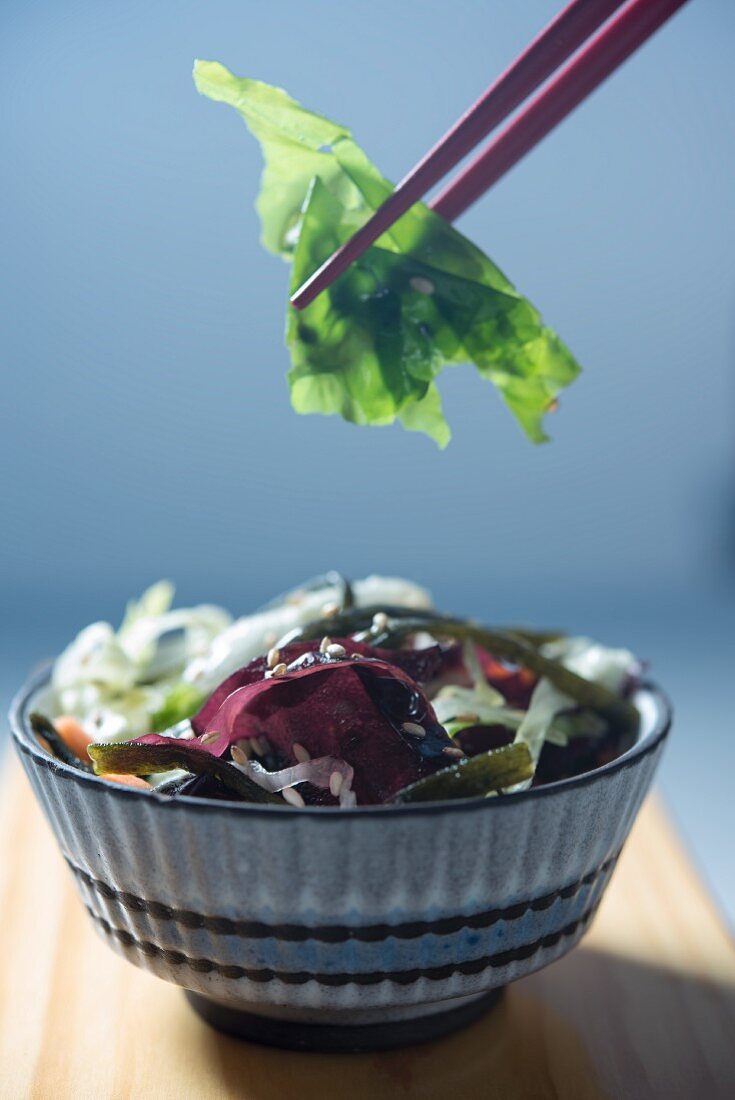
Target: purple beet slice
x,y
364,711
421,665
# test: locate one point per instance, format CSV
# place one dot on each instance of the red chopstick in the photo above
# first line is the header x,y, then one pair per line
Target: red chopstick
x,y
600,57
556,42
553,46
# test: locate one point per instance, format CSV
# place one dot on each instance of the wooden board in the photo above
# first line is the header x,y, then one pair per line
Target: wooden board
x,y
644,1008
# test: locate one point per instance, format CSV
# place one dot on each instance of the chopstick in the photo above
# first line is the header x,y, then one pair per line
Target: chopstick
x,y
556,42
554,45
579,78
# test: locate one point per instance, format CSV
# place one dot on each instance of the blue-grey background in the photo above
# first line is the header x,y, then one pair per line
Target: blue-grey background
x,y
146,428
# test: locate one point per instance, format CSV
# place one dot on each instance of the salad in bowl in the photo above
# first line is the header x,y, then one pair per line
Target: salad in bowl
x,y
347,819
334,694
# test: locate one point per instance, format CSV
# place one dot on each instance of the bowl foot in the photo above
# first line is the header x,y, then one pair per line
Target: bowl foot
x,y
339,1038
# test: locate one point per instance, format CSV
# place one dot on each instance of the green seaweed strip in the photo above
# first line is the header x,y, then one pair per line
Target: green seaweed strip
x,y
518,646
43,727
512,647
475,777
361,618
130,759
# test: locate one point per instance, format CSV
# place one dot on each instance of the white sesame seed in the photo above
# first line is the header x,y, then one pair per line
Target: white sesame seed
x,y
356,656
188,736
413,729
280,669
336,780
238,755
454,753
422,285
292,795
301,753
467,717
329,610
325,643
336,650
273,658
210,738
380,621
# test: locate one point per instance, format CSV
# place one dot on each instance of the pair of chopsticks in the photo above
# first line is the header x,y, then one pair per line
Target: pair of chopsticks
x,y
570,30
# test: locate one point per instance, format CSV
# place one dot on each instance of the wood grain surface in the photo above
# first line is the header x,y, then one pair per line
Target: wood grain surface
x,y
644,1008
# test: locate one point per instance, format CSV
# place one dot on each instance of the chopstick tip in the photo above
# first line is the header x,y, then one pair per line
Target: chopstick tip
x,y
297,299
307,292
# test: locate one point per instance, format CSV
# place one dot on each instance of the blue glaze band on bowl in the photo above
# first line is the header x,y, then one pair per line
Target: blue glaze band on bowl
x,y
343,917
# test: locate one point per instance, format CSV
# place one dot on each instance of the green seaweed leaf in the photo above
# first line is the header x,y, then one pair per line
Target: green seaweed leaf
x,y
422,298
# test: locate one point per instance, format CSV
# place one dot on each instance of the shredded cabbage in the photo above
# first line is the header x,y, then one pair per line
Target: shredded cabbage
x,y
116,682
161,663
252,635
318,771
459,708
609,667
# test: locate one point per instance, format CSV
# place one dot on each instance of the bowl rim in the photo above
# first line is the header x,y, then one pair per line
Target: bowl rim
x,y
26,743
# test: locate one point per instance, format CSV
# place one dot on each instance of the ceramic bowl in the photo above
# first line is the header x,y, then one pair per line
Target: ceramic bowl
x,y
342,929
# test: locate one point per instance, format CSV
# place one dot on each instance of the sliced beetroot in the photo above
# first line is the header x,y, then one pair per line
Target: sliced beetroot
x,y
422,665
364,711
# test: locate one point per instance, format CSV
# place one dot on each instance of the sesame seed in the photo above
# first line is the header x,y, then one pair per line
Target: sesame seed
x,y
325,644
292,795
273,658
357,656
329,610
188,736
336,650
467,717
450,750
422,285
301,753
238,755
280,669
257,746
336,780
210,738
380,621
413,729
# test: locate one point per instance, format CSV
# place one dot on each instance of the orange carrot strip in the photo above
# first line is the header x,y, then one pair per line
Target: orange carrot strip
x,y
73,735
126,780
